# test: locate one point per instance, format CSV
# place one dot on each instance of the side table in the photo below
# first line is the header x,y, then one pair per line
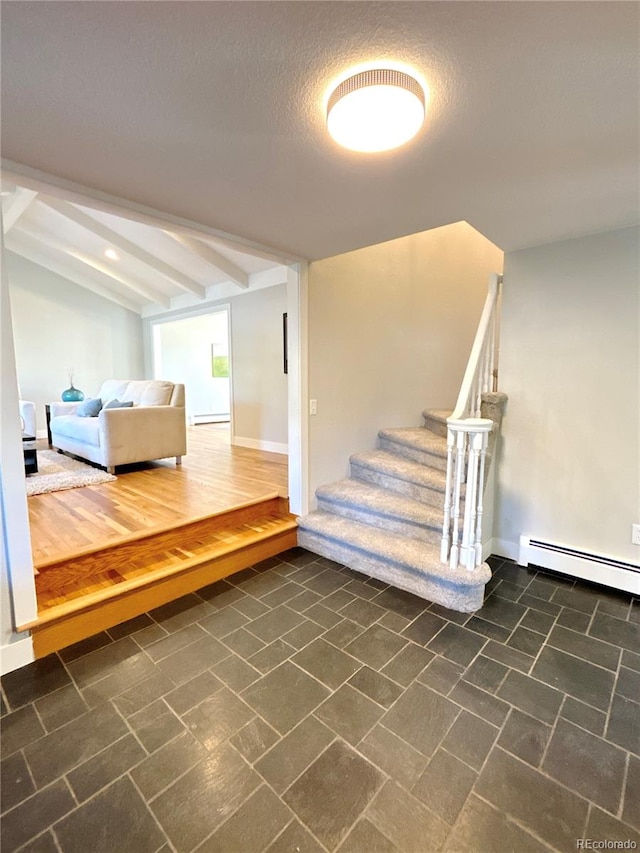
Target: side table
x,y
30,455
47,416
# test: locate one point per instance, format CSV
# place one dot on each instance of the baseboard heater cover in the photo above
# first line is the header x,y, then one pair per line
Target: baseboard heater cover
x,y
597,568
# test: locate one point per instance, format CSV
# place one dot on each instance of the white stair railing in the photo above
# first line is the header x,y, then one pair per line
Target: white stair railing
x,y
467,439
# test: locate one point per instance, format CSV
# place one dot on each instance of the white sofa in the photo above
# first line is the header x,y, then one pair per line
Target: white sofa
x,y
153,428
28,416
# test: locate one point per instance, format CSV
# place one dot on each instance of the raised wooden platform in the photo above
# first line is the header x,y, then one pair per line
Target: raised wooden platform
x,y
214,476
100,587
106,553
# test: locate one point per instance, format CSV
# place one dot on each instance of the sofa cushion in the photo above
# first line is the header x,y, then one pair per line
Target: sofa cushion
x,y
118,404
112,389
141,392
89,408
86,430
154,392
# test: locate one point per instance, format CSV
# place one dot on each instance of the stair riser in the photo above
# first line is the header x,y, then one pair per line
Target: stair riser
x,y
395,525
402,487
435,425
431,460
459,597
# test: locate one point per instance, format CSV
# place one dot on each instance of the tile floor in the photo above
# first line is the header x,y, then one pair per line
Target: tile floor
x,y
303,707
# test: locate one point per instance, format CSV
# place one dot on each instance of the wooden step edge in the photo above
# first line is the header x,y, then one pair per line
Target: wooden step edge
x,y
86,623
61,611
156,531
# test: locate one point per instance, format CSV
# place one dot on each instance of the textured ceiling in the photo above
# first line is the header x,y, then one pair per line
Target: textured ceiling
x,y
213,111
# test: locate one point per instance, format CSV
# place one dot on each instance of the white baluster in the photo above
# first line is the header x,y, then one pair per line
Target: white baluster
x,y
467,550
459,471
492,347
483,456
475,395
486,368
446,525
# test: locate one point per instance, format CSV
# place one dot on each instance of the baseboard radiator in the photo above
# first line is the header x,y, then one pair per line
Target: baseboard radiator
x,y
597,568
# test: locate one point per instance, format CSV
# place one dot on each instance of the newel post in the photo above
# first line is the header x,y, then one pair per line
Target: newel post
x,y
469,438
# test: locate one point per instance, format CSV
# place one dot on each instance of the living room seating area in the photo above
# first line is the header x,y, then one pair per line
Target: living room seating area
x,y
128,421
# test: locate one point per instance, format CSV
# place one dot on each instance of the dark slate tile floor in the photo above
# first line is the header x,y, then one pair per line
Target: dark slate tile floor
x,y
299,706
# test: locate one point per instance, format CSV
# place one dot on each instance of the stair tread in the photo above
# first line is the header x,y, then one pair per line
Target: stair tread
x,y
382,501
374,539
419,438
404,469
415,554
437,414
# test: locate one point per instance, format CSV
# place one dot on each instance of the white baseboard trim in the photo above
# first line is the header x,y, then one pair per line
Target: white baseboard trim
x,y
504,548
15,655
41,433
487,549
258,444
209,419
597,568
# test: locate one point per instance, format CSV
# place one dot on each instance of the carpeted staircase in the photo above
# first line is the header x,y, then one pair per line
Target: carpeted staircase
x,y
386,519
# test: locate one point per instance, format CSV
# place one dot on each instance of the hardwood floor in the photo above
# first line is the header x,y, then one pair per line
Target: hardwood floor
x,y
108,553
213,477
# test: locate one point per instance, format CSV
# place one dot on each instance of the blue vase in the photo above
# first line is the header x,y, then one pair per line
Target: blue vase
x,y
72,395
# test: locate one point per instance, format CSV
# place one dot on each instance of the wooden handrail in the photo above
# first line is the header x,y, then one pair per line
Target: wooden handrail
x,y
485,343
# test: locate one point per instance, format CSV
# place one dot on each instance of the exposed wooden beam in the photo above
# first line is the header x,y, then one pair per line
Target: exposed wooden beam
x,y
148,294
85,220
47,184
15,206
143,290
30,249
213,258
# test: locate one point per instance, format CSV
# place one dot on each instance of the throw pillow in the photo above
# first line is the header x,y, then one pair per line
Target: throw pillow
x,y
89,408
118,404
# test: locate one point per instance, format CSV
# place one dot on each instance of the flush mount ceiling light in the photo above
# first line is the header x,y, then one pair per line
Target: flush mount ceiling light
x,y
376,110
111,254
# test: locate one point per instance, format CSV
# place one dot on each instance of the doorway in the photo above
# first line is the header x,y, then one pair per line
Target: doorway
x,y
196,351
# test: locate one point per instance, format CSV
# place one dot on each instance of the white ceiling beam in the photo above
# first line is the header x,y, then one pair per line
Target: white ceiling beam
x,y
15,206
213,258
48,185
32,250
132,284
143,290
85,220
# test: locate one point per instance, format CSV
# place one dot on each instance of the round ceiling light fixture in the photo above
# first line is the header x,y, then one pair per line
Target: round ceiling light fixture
x,y
376,110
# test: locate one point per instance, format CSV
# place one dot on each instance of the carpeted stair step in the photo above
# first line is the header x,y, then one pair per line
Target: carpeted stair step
x,y
417,444
405,563
381,508
400,475
436,420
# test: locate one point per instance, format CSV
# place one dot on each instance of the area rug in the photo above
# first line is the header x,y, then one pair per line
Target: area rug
x,y
57,472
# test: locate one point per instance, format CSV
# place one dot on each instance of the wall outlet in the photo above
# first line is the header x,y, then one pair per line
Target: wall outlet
x,y
635,534
313,407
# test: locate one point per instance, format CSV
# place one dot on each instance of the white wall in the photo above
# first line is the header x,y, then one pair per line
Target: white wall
x,y
17,587
569,471
59,325
259,383
390,330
